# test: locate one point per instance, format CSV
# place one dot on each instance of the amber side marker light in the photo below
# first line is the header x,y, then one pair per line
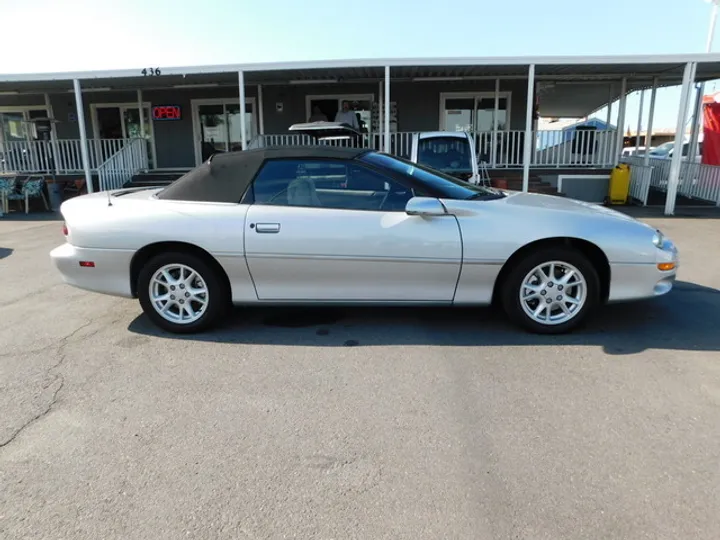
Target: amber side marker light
x,y
664,267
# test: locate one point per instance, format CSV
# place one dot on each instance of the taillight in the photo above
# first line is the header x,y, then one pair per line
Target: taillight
x,y
65,230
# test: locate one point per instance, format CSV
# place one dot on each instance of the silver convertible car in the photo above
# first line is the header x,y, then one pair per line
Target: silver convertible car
x,y
327,225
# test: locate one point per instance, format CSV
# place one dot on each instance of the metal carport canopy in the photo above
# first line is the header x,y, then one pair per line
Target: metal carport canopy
x,y
568,85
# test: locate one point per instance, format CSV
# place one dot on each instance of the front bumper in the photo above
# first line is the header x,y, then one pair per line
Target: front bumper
x,y
644,280
109,275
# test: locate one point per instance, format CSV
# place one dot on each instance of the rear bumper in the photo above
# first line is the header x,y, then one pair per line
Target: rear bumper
x,y
110,275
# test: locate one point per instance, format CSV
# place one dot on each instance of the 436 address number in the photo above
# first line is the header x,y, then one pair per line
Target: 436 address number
x,y
151,72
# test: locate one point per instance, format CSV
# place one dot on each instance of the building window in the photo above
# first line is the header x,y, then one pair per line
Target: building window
x,y
474,111
326,108
15,125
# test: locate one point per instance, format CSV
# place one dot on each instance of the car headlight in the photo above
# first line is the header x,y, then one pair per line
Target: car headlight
x,y
658,239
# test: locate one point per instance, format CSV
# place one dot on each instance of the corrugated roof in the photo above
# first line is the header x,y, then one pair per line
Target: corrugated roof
x,y
550,65
580,84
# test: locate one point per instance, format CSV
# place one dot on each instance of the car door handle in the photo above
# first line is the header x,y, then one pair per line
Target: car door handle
x,y
267,227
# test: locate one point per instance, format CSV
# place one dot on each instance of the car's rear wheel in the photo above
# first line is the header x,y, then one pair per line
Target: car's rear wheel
x,y
181,293
551,290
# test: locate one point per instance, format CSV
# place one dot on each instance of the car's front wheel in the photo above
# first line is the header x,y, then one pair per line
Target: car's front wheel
x,y
551,291
181,293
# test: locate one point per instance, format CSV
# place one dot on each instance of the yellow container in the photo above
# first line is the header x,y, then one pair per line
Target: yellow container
x,y
619,184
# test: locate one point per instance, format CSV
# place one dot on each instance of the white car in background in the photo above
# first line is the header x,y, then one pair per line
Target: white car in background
x,y
630,151
666,151
451,152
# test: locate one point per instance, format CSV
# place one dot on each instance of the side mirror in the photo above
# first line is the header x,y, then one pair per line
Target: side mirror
x,y
424,206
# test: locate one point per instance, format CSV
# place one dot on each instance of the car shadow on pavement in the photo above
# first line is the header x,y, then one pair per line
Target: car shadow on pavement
x,y
685,319
5,252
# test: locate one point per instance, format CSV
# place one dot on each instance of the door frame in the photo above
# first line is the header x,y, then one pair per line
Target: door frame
x,y
194,107
122,106
340,97
475,96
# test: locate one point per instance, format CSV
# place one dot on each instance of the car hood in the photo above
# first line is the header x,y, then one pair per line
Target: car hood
x,y
561,204
541,202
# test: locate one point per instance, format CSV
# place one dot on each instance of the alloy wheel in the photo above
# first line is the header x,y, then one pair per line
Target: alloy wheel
x,y
553,293
178,293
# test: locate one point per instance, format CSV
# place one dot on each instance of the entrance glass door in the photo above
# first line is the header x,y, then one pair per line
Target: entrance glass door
x,y
235,134
217,126
122,121
131,123
458,114
484,110
131,129
213,131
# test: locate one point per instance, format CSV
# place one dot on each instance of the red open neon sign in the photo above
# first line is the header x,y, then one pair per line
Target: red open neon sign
x,y
166,112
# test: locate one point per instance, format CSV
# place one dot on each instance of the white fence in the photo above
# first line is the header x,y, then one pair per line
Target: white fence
x,y
640,178
697,180
501,149
579,148
121,166
60,157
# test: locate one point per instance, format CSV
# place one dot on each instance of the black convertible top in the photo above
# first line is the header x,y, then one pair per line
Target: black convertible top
x,y
225,177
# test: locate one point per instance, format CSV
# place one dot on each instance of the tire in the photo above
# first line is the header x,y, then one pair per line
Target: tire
x,y
574,293
207,315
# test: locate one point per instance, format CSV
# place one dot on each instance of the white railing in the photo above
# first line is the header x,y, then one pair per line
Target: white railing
x,y
579,148
121,166
697,180
296,139
62,156
550,149
640,178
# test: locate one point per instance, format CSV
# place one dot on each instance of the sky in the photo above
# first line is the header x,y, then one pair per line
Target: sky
x,y
79,35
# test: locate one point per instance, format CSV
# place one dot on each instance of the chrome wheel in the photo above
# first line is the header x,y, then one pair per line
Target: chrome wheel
x,y
553,293
178,293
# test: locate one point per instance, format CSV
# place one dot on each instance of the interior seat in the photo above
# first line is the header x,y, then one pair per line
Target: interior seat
x,y
301,192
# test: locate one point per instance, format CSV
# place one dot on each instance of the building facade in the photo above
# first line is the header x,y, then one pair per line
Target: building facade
x,y
110,125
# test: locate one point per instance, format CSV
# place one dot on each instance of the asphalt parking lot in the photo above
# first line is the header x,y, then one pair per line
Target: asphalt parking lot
x,y
359,423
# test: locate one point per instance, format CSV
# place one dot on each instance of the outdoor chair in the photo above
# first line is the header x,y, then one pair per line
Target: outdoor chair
x,y
7,185
32,188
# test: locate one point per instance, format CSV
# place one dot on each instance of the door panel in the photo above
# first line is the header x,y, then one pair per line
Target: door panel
x,y
336,254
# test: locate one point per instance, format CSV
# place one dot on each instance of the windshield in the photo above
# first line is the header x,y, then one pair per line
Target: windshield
x,y
440,184
447,154
663,149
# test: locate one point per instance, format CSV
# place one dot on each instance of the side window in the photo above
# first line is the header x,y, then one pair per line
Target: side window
x,y
328,184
